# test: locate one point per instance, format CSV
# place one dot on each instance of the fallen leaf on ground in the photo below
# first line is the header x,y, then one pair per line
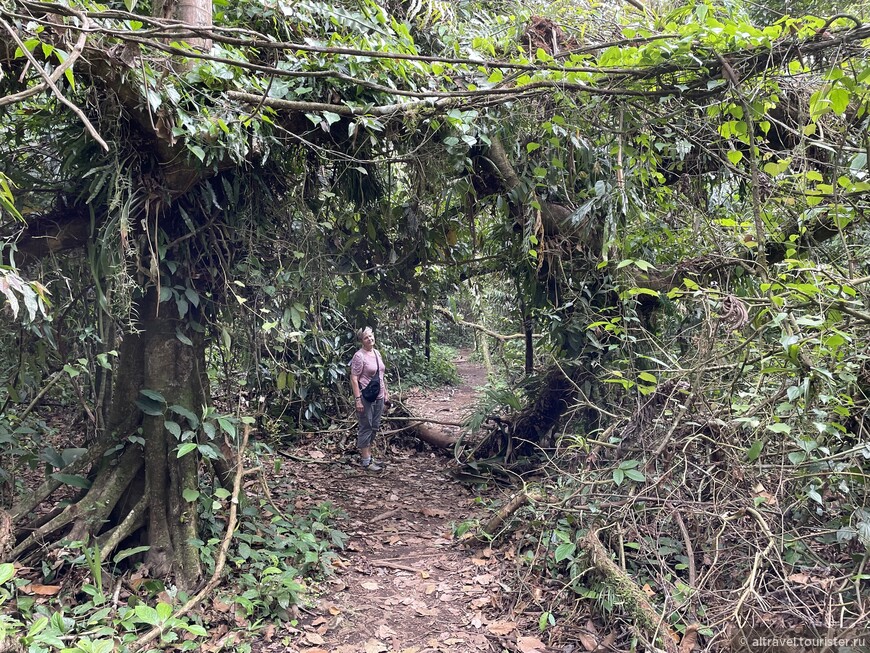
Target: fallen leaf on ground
x,y
316,455
41,590
370,585
385,632
220,606
530,645
374,646
690,639
587,636
501,627
314,638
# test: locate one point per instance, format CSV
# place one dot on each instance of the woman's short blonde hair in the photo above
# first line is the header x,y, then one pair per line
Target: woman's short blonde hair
x,y
362,333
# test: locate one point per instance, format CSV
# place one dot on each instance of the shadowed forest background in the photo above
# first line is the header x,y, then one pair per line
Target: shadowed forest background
x,y
646,219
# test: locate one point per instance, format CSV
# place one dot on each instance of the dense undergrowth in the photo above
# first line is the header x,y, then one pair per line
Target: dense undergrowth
x,y
728,482
79,603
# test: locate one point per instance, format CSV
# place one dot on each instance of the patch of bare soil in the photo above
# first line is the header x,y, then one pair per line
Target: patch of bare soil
x,y
405,583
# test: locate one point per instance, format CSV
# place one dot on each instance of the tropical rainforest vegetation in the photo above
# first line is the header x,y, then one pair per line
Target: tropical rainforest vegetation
x,y
651,215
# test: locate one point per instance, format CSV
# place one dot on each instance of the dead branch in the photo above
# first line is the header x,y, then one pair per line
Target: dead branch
x,y
7,535
49,80
690,550
420,429
635,601
495,522
421,420
385,515
479,327
433,437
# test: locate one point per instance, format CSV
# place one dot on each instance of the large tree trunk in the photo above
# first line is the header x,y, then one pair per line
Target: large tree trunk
x,y
189,12
137,480
141,488
177,372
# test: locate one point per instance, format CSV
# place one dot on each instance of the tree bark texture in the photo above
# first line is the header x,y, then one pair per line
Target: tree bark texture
x,y
177,371
189,12
433,436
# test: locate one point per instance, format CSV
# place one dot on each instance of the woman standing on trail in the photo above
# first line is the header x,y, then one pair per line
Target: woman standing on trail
x,y
366,376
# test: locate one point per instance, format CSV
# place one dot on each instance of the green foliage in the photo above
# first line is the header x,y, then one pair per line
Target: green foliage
x,y
90,626
7,200
275,563
498,399
411,367
25,448
669,176
274,558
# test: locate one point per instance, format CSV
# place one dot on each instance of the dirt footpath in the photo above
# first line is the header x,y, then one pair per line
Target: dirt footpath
x,y
404,584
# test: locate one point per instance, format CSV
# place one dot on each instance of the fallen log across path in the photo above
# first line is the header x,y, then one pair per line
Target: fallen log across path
x,y
400,420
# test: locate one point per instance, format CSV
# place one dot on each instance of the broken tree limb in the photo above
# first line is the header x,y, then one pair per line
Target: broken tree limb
x,y
495,522
422,420
635,601
385,515
425,433
433,436
419,427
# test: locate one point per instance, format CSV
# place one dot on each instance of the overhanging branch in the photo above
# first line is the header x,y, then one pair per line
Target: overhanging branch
x,y
479,327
